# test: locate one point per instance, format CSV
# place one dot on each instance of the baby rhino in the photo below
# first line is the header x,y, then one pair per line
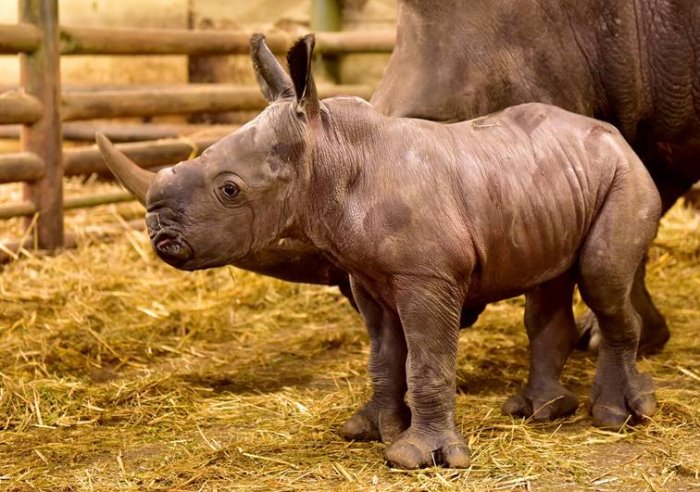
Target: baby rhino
x,y
428,218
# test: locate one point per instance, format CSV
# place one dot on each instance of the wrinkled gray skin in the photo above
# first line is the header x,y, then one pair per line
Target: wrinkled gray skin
x,y
428,218
633,63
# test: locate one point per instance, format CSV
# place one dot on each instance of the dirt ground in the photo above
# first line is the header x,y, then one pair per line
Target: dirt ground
x,y
118,372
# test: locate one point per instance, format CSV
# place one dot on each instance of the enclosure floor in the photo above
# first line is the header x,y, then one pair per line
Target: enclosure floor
x,y
118,372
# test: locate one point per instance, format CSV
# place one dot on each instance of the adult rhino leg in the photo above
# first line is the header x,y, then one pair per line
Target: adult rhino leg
x,y
386,414
342,281
551,329
470,315
430,316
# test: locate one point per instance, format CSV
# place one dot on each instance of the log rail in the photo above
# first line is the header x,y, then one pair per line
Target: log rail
x,y
40,107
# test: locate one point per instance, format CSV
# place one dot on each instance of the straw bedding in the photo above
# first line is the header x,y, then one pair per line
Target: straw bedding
x,y
118,372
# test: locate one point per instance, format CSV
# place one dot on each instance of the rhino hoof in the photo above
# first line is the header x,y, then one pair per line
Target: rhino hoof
x,y
374,424
542,405
413,449
360,428
613,409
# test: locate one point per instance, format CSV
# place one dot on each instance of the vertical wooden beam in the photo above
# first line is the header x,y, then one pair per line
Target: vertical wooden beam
x,y
327,15
206,69
41,77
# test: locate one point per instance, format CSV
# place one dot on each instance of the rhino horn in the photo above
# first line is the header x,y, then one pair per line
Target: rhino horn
x,y
134,178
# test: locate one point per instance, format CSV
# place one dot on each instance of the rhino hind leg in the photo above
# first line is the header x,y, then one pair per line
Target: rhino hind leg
x,y
386,414
551,329
654,331
671,186
608,264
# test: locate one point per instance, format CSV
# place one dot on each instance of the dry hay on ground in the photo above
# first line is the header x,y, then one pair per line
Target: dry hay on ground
x,y
118,372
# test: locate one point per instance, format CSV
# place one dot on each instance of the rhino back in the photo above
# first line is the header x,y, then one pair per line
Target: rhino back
x,y
535,179
515,191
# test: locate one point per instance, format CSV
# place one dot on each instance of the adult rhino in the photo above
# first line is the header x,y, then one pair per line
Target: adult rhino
x,y
633,63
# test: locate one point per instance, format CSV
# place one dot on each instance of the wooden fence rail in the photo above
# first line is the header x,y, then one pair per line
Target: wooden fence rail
x,y
161,101
28,209
19,38
17,107
40,107
84,131
21,166
77,40
115,41
88,160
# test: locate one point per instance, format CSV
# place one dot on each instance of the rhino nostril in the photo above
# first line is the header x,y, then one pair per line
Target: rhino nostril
x,y
153,224
154,206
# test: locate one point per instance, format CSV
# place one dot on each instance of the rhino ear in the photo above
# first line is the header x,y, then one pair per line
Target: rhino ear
x,y
273,80
299,60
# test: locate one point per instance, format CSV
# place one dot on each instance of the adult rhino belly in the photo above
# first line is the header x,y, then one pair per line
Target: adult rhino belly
x,y
681,158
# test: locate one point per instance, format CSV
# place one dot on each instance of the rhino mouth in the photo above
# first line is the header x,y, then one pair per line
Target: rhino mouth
x,y
167,242
171,248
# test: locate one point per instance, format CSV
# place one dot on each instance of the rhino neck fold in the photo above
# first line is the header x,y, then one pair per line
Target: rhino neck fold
x,y
347,141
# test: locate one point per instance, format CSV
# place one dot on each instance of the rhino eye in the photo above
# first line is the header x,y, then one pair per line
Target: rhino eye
x,y
229,189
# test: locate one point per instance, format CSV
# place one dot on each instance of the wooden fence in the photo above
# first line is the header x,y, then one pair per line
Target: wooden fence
x,y
41,108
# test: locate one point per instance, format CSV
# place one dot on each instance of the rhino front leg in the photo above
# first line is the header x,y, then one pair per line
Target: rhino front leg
x,y
386,414
430,318
551,329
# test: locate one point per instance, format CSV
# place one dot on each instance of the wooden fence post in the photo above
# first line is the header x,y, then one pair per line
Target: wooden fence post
x,y
41,78
327,15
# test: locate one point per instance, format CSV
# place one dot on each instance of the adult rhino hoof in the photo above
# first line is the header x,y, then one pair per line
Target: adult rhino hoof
x,y
541,405
414,449
372,423
360,428
613,409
